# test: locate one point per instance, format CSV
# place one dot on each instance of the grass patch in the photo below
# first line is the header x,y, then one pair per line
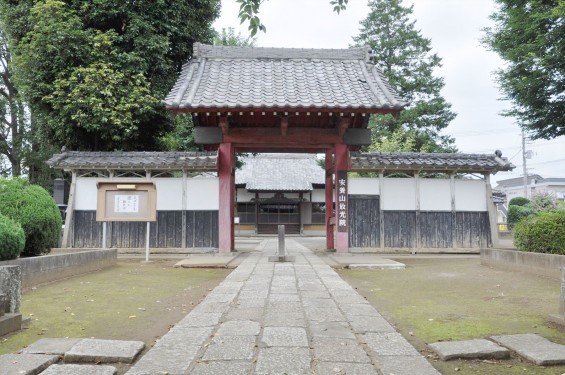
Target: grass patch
x,y
458,299
131,301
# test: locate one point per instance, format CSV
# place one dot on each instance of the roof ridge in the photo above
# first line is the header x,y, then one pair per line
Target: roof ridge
x,y
238,52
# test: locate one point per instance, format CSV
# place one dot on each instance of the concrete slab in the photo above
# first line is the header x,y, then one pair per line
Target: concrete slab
x,y
277,360
208,261
534,348
342,368
25,364
79,370
104,351
285,319
406,365
328,349
239,328
10,323
367,261
222,368
469,349
230,348
51,346
389,343
390,265
285,336
331,329
164,359
363,324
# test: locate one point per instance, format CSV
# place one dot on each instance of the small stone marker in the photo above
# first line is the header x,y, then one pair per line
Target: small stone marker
x,y
534,348
104,351
8,322
281,253
51,346
469,349
25,364
559,318
11,286
79,370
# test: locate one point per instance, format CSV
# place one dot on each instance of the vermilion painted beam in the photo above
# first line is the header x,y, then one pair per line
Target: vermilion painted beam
x,y
341,164
303,137
329,199
226,162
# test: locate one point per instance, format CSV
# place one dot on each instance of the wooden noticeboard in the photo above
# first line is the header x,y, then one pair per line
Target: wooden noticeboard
x,y
126,201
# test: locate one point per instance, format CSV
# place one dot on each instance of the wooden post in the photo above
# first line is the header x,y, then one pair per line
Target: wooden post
x,y
453,212
184,206
341,165
417,197
70,213
381,212
226,201
329,200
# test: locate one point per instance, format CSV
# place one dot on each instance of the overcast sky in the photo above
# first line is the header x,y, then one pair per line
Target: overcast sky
x,y
455,28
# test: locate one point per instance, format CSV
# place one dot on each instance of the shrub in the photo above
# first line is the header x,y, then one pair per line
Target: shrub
x,y
542,202
12,238
518,201
542,233
33,208
517,213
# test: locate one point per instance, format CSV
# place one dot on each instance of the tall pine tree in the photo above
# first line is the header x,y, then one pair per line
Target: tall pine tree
x,y
408,63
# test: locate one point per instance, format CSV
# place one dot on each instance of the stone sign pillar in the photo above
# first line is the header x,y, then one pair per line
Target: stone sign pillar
x,y
10,299
559,318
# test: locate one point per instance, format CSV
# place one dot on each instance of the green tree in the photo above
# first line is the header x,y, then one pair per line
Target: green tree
x,y
93,72
529,35
407,61
228,37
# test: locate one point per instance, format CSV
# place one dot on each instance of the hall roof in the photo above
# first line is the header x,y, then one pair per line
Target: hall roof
x,y
119,160
429,162
280,172
227,77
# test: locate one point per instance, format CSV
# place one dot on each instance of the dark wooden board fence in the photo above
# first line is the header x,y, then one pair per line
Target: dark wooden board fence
x,y
166,232
364,228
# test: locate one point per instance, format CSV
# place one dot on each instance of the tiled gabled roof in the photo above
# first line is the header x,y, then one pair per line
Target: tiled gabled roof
x,y
250,77
429,162
280,172
201,161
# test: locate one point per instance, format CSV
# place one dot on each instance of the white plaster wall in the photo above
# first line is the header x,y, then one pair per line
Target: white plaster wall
x,y
203,193
399,194
435,194
470,195
266,195
319,195
169,193
244,196
363,186
86,193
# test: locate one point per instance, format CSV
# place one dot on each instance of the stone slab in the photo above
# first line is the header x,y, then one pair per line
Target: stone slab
x,y
25,364
339,368
104,351
11,286
222,368
282,259
230,348
557,319
51,346
207,261
534,348
285,319
363,324
165,359
405,365
277,360
10,323
331,329
79,370
329,349
239,328
285,336
390,265
469,349
389,344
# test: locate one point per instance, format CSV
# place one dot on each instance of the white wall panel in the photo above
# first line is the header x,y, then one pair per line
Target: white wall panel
x,y
203,193
470,195
319,195
399,194
435,194
86,193
363,186
244,196
169,193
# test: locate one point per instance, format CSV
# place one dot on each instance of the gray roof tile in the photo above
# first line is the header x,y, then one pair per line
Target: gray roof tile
x,y
250,77
280,172
410,161
201,161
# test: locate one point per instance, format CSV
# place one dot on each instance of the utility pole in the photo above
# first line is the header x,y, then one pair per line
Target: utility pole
x,y
525,171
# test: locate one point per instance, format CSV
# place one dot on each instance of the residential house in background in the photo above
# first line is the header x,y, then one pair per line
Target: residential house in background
x,y
514,187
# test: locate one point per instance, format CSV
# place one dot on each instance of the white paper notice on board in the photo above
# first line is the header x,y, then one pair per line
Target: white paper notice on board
x,y
126,203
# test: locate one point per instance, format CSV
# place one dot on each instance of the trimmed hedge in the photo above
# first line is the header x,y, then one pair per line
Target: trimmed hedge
x,y
518,201
12,238
35,210
517,213
542,233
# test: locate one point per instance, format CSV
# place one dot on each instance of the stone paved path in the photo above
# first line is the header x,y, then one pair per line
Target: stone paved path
x,y
276,318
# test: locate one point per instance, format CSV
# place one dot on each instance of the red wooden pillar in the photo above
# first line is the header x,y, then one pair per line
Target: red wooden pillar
x,y
329,200
226,163
342,221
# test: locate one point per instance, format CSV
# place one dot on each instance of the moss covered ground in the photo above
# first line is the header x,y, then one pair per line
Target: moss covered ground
x,y
443,299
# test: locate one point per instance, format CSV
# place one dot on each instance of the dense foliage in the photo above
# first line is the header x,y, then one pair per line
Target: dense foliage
x,y
12,238
543,233
530,36
518,201
407,61
35,210
517,213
